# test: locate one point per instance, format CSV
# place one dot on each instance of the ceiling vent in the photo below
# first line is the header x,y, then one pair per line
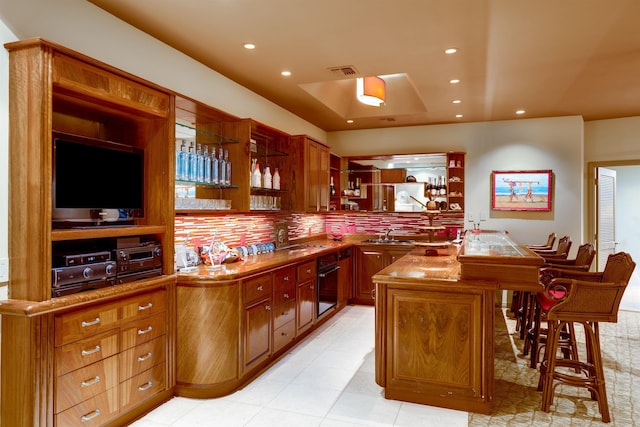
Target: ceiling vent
x,y
344,71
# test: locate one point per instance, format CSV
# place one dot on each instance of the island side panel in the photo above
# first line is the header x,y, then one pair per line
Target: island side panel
x,y
440,347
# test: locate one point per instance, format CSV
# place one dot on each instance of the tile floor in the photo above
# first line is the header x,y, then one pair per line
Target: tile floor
x,y
327,380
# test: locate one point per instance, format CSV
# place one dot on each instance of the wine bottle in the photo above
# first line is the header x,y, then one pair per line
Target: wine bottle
x,y
227,175
332,188
443,187
215,171
222,168
199,164
183,171
434,188
207,165
356,190
276,180
192,163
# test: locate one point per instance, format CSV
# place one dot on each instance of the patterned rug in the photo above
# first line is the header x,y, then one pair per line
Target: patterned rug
x,y
517,403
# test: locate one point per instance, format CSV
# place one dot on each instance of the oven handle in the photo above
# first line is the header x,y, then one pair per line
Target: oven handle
x,y
328,272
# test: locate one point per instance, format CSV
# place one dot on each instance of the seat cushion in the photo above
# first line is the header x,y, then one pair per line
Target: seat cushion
x,y
545,302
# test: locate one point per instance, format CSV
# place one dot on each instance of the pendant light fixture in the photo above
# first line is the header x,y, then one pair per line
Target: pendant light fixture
x,y
370,90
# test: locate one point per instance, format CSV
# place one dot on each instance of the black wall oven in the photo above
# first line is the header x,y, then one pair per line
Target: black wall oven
x,y
327,283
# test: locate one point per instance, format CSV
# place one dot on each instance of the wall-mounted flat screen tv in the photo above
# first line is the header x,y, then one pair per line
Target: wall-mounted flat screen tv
x,y
95,181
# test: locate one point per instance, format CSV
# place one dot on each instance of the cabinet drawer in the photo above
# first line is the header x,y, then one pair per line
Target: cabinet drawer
x,y
86,382
284,313
95,411
88,80
86,351
284,277
142,357
284,293
143,305
141,331
83,323
257,288
142,386
306,271
284,335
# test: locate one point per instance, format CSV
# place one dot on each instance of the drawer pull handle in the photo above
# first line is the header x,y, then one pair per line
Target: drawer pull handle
x,y
286,278
145,357
284,334
308,271
285,313
90,416
260,288
145,387
92,381
146,331
92,351
286,295
267,307
146,307
90,322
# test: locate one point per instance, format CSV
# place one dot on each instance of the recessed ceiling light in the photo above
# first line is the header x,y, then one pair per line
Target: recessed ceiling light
x,y
520,111
349,121
454,81
286,73
456,101
459,116
249,46
451,50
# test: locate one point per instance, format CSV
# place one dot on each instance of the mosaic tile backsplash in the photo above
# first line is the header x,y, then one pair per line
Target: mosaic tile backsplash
x,y
246,229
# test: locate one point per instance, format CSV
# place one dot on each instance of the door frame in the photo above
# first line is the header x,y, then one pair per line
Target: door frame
x,y
590,232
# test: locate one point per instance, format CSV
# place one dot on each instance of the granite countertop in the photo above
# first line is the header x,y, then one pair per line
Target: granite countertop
x,y
254,264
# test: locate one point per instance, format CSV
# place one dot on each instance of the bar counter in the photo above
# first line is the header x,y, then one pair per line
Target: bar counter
x,y
435,319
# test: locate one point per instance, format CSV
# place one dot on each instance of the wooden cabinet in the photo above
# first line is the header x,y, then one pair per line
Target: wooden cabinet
x,y
284,307
369,259
258,322
109,358
345,277
306,296
310,174
54,89
455,181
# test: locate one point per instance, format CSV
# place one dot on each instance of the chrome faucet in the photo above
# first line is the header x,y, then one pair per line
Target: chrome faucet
x,y
387,233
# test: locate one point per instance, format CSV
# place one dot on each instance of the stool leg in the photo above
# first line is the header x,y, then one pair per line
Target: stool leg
x,y
533,333
553,335
593,341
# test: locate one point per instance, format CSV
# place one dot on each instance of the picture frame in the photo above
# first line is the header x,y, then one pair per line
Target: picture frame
x,y
524,190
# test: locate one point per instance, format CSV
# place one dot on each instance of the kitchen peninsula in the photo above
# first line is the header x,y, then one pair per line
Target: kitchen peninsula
x,y
435,319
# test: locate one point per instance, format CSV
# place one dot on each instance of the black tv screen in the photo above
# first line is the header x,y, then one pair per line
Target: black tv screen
x,y
95,179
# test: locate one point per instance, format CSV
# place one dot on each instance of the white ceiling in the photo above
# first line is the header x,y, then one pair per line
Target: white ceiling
x,y
548,57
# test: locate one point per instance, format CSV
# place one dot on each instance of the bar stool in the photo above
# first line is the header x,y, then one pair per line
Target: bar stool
x,y
546,246
554,268
525,298
588,303
517,299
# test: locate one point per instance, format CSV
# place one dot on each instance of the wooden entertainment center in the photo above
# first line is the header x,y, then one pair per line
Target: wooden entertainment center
x,y
100,357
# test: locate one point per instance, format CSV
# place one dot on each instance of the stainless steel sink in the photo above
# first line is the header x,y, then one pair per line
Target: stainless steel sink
x,y
389,241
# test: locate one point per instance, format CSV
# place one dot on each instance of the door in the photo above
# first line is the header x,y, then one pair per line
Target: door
x,y
368,262
605,215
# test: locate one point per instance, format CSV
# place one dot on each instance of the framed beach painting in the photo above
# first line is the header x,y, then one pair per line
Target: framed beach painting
x,y
521,190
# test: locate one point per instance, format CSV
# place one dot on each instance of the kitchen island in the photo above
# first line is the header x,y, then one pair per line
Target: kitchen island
x,y
435,319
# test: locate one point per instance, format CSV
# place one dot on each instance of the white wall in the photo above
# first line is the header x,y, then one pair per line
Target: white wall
x,y
553,143
614,139
5,34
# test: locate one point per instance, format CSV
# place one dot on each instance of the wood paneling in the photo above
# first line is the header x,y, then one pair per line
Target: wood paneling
x,y
208,334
